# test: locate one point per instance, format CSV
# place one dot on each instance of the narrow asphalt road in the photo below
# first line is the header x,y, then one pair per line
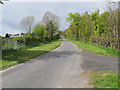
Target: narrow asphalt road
x,y
61,68
57,69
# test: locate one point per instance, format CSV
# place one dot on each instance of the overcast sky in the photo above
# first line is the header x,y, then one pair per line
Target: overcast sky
x,y
13,12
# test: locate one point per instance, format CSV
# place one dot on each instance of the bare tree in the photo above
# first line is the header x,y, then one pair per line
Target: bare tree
x,y
49,16
113,9
28,23
51,21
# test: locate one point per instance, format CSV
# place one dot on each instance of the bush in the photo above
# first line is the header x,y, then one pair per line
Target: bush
x,y
10,44
107,42
20,40
4,40
30,40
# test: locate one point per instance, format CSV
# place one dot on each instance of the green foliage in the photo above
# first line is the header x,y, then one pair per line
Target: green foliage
x,y
3,41
105,80
81,26
39,31
96,28
46,33
10,44
19,40
51,23
69,34
30,40
101,25
74,18
95,15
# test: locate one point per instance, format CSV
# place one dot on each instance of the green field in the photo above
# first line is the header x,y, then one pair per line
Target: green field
x,y
92,48
105,79
14,57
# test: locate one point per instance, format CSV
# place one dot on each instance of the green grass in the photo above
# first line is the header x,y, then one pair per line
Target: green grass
x,y
92,48
14,57
105,80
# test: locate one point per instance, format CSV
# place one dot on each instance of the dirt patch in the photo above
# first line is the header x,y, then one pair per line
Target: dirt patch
x,y
87,74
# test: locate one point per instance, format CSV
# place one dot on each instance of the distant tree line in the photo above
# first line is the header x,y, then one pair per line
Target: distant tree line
x,y
102,29
46,30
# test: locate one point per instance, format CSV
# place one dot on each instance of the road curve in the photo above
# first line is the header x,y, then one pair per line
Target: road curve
x,y
60,68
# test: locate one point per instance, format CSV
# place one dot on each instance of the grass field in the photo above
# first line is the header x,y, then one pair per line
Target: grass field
x,y
92,48
14,57
105,79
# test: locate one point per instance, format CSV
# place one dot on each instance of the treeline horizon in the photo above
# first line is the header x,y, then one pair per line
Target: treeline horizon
x,y
101,29
45,31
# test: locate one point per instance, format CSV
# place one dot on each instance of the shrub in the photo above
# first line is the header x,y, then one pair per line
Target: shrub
x,y
20,40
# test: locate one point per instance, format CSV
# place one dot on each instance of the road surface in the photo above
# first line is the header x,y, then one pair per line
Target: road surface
x,y
61,68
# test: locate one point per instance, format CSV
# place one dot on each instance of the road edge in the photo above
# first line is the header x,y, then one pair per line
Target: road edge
x,y
14,66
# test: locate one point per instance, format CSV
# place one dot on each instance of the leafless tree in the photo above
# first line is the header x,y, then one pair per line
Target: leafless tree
x,y
113,9
49,16
51,21
28,23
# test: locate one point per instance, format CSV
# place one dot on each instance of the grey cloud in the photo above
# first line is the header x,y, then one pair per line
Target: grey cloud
x,y
13,12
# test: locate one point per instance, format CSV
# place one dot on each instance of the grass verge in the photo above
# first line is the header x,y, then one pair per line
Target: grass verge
x,y
101,79
104,79
14,57
92,48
